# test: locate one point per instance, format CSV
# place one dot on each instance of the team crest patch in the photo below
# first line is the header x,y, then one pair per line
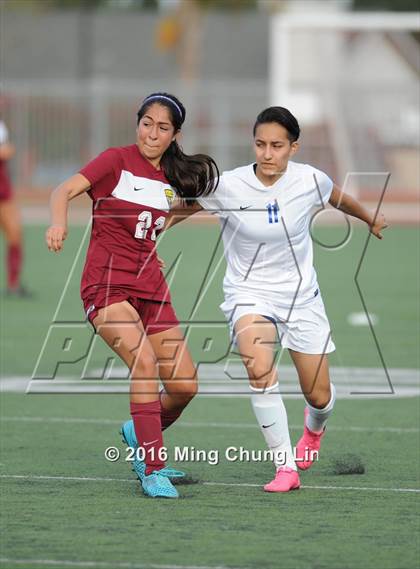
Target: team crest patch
x,y
170,195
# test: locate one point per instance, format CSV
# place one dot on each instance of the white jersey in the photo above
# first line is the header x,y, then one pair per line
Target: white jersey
x,y
266,233
4,133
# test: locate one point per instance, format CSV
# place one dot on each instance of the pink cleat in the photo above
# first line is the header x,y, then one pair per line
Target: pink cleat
x,y
308,446
286,479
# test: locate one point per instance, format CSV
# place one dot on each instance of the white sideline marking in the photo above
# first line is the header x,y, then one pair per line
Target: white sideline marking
x,y
103,564
241,485
361,319
372,488
65,478
83,420
350,382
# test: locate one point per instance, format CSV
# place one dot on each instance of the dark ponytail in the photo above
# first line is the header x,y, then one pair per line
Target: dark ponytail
x,y
191,176
281,116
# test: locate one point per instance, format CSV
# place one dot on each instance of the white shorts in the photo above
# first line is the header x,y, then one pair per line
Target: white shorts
x,y
304,329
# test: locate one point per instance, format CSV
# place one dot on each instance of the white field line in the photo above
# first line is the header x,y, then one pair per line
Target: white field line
x,y
354,391
233,484
225,391
101,564
213,373
352,382
81,420
372,488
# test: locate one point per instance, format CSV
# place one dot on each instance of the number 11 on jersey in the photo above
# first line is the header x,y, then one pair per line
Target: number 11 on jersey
x,y
273,211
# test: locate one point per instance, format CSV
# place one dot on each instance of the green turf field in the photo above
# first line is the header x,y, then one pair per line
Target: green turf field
x,y
61,501
71,519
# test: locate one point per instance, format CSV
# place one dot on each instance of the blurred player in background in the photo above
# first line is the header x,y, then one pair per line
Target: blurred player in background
x,y
123,289
270,286
10,221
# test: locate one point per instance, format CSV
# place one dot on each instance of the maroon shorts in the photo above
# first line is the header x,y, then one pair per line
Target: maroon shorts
x,y
156,316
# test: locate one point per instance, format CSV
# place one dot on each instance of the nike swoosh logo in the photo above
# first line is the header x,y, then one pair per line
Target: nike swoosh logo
x,y
138,189
242,207
267,426
151,442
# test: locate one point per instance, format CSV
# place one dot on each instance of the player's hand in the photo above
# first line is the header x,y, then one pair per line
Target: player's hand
x,y
378,226
55,236
161,262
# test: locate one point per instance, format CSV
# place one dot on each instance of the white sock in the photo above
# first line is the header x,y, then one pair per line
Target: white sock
x,y
317,418
271,416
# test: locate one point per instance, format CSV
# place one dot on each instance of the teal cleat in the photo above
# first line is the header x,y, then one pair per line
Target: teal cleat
x,y
172,473
128,434
157,485
129,438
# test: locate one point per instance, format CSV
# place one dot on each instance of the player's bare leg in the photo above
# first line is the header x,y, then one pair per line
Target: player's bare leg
x,y
10,223
179,377
319,393
122,329
256,337
177,372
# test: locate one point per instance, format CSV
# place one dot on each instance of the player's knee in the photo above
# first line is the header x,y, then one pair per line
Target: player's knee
x,y
319,398
14,237
258,373
189,393
145,367
185,390
182,396
191,389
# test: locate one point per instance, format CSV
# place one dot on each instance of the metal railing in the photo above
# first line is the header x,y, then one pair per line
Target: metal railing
x,y
59,126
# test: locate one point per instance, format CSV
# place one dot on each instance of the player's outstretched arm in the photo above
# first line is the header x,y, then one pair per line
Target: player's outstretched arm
x,y
347,204
180,212
60,197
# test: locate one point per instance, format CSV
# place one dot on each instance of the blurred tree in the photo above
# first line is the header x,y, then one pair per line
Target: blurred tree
x,y
85,4
228,4
397,5
49,4
132,4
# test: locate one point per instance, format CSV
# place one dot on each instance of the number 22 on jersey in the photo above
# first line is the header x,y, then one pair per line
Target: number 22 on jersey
x,y
145,223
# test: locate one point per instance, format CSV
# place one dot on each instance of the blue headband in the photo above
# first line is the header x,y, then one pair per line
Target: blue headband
x,y
147,99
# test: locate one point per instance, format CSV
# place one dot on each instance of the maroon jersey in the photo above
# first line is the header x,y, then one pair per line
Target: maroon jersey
x,y
131,200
